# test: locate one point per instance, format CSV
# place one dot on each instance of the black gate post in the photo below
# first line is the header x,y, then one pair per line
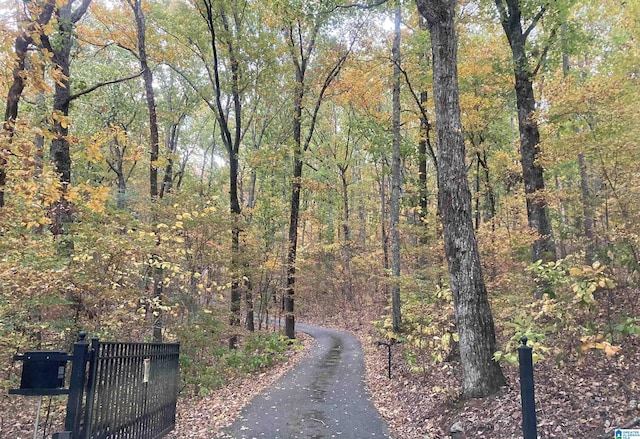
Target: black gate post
x,y
87,427
76,386
527,395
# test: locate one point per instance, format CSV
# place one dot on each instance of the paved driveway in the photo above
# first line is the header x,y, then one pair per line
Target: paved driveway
x,y
322,397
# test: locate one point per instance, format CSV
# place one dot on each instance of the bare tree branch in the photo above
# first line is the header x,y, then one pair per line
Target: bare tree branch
x,y
102,84
534,22
545,51
78,13
360,5
423,112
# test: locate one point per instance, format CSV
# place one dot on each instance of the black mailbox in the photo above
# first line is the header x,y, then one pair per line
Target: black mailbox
x,y
43,373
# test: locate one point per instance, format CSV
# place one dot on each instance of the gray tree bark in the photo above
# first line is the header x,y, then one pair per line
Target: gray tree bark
x,y
396,179
532,172
481,375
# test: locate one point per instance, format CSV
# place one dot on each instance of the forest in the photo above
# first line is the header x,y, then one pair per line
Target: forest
x,y
447,175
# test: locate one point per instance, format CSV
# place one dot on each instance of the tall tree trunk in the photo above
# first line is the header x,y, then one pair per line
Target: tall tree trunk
x,y
476,197
481,375
362,217
346,232
154,139
532,171
386,264
171,144
122,192
117,166
490,198
425,129
425,148
21,46
251,197
38,141
296,184
60,149
396,179
258,134
231,140
588,211
183,166
294,213
300,57
147,76
60,154
233,148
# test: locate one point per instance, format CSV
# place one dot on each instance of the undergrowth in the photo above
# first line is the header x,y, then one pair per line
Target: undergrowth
x,y
207,363
578,312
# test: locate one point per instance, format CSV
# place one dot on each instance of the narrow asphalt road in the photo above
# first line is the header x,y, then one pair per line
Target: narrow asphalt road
x,y
324,396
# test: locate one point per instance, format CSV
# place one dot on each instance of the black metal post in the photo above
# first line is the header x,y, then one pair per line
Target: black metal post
x,y
527,394
76,386
90,387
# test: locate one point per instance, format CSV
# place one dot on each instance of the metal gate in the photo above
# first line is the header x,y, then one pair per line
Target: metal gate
x,y
131,390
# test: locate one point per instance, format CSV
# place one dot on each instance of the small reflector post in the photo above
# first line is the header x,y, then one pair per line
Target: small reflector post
x,y
147,370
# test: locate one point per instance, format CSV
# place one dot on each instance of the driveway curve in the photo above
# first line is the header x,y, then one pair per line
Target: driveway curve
x,y
323,396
